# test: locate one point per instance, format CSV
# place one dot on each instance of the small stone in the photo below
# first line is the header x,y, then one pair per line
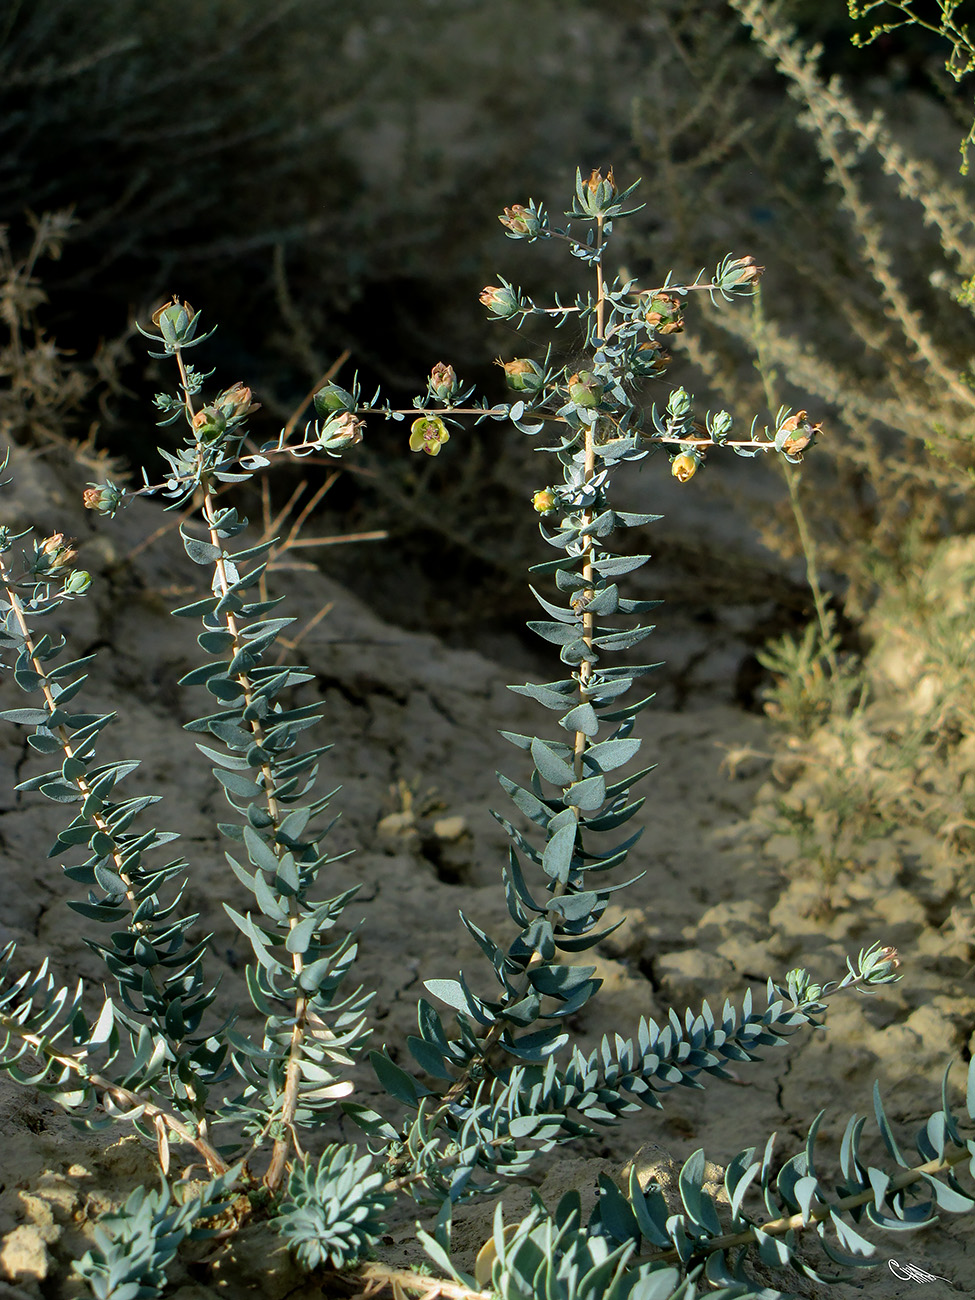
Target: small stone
x,y
23,1255
654,1165
397,826
450,828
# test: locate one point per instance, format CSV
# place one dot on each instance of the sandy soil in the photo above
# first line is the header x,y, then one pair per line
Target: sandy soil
x,y
722,904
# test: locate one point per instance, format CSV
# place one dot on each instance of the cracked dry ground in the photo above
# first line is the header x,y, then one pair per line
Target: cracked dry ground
x,y
414,726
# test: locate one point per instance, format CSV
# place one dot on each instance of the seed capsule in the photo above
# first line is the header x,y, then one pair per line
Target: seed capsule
x,y
522,374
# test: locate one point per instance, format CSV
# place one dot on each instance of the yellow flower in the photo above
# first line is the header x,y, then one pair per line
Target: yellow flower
x,y
544,501
428,433
685,466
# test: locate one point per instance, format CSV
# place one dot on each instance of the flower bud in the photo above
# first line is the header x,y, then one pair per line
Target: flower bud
x,y
58,551
502,302
544,501
54,554
428,434
878,966
236,401
442,382
175,321
76,583
584,389
596,194
522,374
103,497
741,271
679,404
685,465
801,987
341,431
65,553
665,314
520,221
721,426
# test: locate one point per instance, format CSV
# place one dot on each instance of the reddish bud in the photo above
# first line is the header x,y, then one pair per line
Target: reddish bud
x,y
443,381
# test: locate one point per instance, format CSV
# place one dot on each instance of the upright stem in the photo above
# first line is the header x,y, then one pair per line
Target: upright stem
x,y
97,818
585,668
493,1035
289,1096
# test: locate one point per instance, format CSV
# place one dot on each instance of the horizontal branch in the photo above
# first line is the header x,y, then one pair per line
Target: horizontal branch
x,y
791,1222
118,1091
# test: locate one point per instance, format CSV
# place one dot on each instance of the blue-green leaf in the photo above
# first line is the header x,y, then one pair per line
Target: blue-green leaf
x,y
429,1058
553,695
26,717
587,795
448,991
197,609
430,1024
557,855
61,792
200,552
582,718
528,803
394,1080
610,754
616,565
216,640
614,1214
698,1204
539,1046
636,521
301,935
948,1199
557,633
369,1121
558,612
550,765
559,981
622,640
240,786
